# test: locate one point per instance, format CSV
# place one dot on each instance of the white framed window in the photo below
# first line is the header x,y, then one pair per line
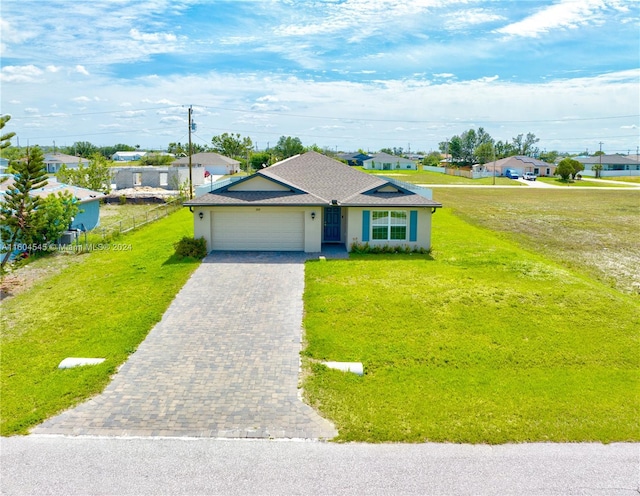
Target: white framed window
x,y
389,225
164,178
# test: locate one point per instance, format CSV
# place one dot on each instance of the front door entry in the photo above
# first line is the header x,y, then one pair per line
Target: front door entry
x,y
332,218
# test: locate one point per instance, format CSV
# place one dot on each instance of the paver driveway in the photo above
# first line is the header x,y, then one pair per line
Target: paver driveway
x,y
222,362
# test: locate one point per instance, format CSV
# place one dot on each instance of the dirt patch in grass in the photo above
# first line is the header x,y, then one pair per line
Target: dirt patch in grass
x,y
20,279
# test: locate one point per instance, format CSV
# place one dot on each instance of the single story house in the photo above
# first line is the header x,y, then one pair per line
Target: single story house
x,y
53,161
88,201
308,200
354,158
214,163
127,156
521,164
170,178
384,161
612,165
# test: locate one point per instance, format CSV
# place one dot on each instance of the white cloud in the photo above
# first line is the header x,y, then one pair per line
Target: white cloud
x,y
130,114
21,74
80,99
171,119
152,37
31,110
82,70
52,68
566,14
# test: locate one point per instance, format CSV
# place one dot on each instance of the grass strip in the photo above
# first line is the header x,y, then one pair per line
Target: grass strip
x,y
102,307
483,342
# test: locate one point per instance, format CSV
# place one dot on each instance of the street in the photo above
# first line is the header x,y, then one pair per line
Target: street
x,y
42,465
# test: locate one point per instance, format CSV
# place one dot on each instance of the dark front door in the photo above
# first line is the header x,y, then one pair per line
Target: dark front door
x,y
331,224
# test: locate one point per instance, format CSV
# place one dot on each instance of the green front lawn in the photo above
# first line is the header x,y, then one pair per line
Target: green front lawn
x,y
483,342
103,306
557,181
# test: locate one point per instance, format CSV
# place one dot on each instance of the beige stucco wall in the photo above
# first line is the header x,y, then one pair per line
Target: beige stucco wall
x,y
354,228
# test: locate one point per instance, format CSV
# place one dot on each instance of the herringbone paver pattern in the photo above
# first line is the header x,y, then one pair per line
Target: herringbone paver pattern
x,y
222,362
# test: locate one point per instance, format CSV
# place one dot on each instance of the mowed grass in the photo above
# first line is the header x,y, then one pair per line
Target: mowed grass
x,y
102,307
582,183
484,342
427,177
596,232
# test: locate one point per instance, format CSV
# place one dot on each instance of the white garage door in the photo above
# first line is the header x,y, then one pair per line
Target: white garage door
x,y
258,231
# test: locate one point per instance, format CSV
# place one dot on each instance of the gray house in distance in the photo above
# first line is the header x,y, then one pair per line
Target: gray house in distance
x,y
53,161
213,163
170,178
612,165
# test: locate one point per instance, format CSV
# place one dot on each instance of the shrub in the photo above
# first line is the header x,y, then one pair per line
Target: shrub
x,y
362,248
191,247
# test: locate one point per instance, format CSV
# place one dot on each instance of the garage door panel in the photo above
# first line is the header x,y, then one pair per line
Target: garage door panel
x,y
259,231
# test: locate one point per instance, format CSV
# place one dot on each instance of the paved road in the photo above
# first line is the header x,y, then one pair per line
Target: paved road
x,y
37,465
222,362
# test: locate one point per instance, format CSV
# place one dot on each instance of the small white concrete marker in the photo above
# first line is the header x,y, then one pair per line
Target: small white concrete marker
x,y
71,362
322,258
354,367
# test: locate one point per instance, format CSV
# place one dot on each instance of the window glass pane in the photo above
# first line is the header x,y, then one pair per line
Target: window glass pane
x,y
399,218
380,218
398,232
380,233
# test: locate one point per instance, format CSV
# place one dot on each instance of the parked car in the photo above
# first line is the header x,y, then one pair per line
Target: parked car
x,y
511,174
529,176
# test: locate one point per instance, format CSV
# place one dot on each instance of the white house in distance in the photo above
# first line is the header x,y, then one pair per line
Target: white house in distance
x,y
384,161
127,156
214,163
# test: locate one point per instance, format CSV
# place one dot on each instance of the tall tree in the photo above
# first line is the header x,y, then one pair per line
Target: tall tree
x,y
18,208
524,145
288,147
232,145
95,176
5,139
81,149
484,153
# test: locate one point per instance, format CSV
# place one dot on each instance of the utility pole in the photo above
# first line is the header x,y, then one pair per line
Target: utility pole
x,y
600,160
190,151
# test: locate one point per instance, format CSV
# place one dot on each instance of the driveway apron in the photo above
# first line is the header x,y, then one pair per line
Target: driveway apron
x,y
223,361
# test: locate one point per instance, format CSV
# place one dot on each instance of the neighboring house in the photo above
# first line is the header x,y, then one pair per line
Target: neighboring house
x,y
214,163
89,201
612,165
354,158
171,178
308,200
520,164
127,156
53,161
384,161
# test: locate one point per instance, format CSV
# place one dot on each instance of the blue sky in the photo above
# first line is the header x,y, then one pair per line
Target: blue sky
x,y
343,74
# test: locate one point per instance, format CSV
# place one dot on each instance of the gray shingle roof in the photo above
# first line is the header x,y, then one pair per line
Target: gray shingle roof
x,y
316,179
206,158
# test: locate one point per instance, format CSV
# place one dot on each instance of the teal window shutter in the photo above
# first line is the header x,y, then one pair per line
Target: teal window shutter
x,y
413,225
366,220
